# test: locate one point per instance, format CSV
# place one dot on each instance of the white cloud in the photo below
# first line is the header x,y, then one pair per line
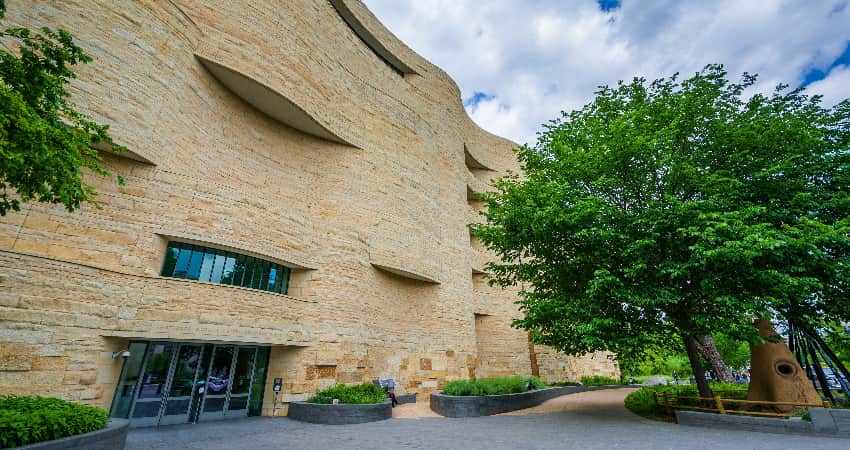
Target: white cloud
x,y
539,57
835,87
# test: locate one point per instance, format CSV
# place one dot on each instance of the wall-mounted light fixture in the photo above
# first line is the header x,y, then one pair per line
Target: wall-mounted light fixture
x,y
122,353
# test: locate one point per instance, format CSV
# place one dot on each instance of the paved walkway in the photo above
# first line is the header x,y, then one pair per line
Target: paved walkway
x,y
591,420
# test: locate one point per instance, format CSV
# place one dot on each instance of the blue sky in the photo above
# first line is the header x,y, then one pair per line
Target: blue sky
x,y
520,62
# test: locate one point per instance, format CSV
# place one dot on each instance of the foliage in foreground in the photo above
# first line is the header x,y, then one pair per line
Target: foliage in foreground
x,y
44,141
669,210
598,380
27,420
360,394
492,386
642,403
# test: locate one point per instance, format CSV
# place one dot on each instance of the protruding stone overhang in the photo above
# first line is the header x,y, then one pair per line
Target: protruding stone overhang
x,y
125,153
472,162
406,273
362,30
270,101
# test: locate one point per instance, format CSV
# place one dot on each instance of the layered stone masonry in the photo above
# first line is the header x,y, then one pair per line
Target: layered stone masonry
x,y
75,287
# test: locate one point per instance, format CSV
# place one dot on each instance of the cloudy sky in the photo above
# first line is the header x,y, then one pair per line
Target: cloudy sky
x,y
520,62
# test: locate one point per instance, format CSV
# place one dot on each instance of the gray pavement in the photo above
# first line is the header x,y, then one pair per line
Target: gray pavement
x,y
604,428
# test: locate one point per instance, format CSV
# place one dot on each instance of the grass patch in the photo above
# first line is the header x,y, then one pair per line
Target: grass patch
x,y
492,386
642,403
598,380
27,420
359,394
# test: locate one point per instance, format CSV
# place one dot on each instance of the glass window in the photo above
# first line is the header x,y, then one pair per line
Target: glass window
x,y
229,264
218,266
207,266
258,273
249,271
238,270
272,278
195,264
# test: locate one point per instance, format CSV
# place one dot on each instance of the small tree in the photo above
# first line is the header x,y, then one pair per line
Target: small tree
x,y
672,210
44,142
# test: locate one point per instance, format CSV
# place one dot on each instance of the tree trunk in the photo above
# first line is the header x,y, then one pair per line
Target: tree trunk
x,y
692,347
710,353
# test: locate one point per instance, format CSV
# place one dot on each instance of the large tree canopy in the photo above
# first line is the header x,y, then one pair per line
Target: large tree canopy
x,y
45,143
673,209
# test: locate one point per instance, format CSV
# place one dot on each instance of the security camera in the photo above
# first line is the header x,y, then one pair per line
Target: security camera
x,y
123,354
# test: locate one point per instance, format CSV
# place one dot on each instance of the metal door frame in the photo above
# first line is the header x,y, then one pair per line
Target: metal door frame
x,y
223,413
153,421
191,396
255,350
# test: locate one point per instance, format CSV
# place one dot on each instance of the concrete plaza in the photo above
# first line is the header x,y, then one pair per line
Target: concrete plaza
x,y
593,420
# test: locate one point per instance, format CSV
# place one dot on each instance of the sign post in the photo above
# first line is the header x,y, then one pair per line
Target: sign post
x,y
278,382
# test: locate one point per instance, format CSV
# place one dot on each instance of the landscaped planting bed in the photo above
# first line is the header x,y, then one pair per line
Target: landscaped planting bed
x,y
29,420
486,397
642,402
356,404
492,386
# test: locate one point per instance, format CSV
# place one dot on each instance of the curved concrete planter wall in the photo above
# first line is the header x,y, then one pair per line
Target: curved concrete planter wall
x,y
110,438
825,422
339,414
487,405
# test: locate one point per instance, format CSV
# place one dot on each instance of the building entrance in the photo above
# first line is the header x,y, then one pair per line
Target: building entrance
x,y
165,383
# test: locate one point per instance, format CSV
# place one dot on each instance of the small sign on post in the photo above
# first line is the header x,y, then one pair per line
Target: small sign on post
x,y
278,382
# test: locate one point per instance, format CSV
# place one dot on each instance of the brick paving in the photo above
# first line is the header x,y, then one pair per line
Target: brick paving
x,y
593,420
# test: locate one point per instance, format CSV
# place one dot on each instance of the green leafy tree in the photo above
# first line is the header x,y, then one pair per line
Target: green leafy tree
x,y
670,210
45,143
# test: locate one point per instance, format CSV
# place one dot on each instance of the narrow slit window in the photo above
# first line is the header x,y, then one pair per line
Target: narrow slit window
x,y
194,262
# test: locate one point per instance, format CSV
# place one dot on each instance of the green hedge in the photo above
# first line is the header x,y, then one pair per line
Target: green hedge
x,y
491,386
27,420
598,380
359,394
642,403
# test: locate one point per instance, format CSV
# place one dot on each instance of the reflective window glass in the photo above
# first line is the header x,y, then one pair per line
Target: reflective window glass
x,y
218,266
195,264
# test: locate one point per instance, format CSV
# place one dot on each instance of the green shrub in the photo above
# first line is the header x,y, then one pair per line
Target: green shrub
x,y
566,383
598,380
642,403
27,420
492,386
358,394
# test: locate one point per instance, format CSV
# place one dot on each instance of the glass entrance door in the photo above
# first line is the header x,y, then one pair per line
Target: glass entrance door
x,y
171,382
219,377
240,388
181,386
151,389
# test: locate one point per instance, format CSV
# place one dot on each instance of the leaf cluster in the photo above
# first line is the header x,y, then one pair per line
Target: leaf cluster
x,y
27,420
672,208
492,386
365,393
45,143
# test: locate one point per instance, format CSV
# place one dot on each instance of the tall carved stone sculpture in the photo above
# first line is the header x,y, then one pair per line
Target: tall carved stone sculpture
x,y
776,375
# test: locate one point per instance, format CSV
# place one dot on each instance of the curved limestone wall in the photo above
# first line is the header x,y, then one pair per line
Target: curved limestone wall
x,y
269,127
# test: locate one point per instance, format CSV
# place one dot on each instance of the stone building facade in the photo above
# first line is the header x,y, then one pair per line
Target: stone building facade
x,y
296,134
